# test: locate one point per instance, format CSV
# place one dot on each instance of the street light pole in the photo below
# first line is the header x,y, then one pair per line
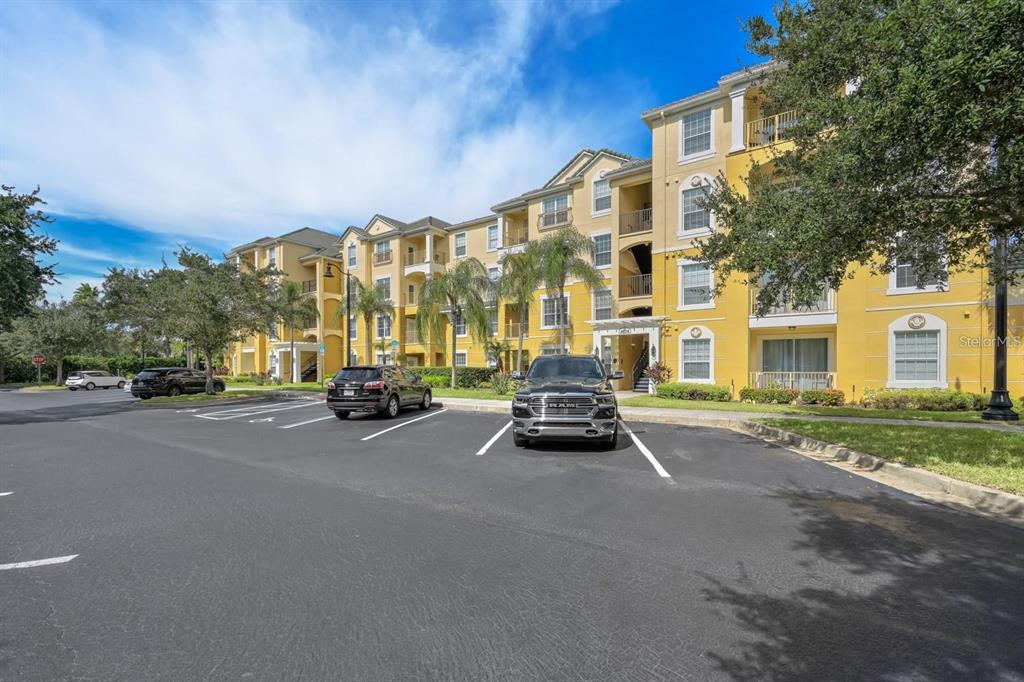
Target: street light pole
x,y
348,312
1000,406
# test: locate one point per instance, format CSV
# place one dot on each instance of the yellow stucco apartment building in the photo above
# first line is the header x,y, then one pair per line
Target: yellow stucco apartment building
x,y
657,304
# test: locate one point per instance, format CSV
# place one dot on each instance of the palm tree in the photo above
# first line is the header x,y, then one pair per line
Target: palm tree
x,y
368,302
521,276
564,254
294,309
459,292
496,348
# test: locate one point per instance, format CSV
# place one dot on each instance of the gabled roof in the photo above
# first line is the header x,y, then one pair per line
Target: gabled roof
x,y
635,166
304,236
725,84
423,223
585,152
551,187
360,232
475,221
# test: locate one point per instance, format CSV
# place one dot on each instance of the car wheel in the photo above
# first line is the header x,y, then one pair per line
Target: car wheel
x,y
145,397
341,414
520,441
120,385
72,388
89,386
174,391
427,398
391,411
610,442
218,387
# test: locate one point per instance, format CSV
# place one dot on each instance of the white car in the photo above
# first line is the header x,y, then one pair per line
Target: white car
x,y
91,379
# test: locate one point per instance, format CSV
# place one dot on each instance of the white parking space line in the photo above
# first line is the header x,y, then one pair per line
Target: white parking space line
x,y
38,562
308,421
494,438
408,421
220,416
250,407
647,453
11,492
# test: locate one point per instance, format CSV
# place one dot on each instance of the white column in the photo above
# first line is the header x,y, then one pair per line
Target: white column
x,y
653,340
430,248
295,365
737,97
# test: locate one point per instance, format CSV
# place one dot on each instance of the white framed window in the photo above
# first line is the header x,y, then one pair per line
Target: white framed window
x,y
352,287
602,250
494,273
460,325
352,255
695,286
383,358
602,304
410,295
917,352
353,328
697,355
553,350
460,245
493,237
384,284
602,197
904,280
383,326
460,358
696,135
694,217
552,314
272,257
492,322
556,211
382,246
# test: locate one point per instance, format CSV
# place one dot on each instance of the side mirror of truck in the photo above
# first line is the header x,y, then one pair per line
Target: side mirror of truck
x,y
617,374
518,376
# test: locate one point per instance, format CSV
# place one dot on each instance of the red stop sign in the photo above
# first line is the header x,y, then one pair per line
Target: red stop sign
x,y
38,359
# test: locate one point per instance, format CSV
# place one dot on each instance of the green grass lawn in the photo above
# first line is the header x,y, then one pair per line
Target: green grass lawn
x,y
312,387
44,387
199,397
846,411
476,393
986,457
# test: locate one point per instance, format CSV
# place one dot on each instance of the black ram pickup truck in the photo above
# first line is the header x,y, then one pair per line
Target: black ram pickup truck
x,y
567,397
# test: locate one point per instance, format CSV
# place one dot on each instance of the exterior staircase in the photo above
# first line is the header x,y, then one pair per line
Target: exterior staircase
x,y
641,384
309,371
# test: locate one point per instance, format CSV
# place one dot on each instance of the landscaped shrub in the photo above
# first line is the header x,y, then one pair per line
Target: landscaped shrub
x,y
243,379
465,377
826,396
719,394
769,396
659,373
931,399
437,382
502,383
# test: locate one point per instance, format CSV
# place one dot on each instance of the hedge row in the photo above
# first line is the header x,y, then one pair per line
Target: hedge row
x,y
932,399
684,391
769,396
832,397
465,377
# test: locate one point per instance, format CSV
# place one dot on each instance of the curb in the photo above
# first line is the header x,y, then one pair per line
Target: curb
x,y
984,499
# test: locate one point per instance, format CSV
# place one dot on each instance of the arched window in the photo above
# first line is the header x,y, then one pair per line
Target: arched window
x,y
917,352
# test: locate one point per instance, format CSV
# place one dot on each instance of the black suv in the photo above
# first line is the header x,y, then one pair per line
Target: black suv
x,y
376,388
172,381
568,397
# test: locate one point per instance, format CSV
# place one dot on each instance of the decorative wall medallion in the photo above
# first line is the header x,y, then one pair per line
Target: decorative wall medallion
x,y
695,332
916,321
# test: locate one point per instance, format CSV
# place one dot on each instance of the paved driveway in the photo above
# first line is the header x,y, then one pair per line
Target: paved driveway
x,y
270,540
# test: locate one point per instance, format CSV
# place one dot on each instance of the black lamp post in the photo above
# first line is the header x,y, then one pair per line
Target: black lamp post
x,y
348,312
1000,406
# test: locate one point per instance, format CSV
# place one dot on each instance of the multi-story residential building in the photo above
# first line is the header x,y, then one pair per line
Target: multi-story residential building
x,y
658,303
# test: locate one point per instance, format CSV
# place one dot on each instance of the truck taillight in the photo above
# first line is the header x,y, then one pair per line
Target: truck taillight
x,y
373,385
330,385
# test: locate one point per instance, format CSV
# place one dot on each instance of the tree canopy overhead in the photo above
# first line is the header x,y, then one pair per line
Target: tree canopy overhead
x,y
920,160
22,278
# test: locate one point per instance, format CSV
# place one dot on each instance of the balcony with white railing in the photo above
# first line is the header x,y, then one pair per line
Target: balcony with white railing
x,y
635,222
770,130
634,286
800,381
417,261
382,257
516,232
821,311
512,329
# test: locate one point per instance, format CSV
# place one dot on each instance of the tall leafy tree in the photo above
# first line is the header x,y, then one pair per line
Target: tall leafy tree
x,y
565,254
520,277
367,302
293,309
22,277
908,147
138,303
458,293
56,330
216,303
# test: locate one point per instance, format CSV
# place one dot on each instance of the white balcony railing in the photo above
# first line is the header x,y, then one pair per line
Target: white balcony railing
x,y
800,381
769,130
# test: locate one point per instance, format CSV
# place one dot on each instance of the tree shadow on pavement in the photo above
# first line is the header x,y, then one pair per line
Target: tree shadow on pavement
x,y
934,595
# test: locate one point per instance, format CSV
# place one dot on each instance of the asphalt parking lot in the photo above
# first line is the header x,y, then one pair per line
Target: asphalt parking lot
x,y
269,540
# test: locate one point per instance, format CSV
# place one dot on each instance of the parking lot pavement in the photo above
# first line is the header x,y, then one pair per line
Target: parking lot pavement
x,y
249,541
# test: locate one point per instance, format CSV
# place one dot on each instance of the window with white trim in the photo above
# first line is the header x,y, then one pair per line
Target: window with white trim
x,y
553,314
492,322
602,196
460,325
916,355
556,210
694,215
382,246
272,257
904,276
492,237
695,135
494,273
696,360
602,250
353,329
383,326
695,285
602,304
460,358
553,350
353,288
352,255
460,245
384,284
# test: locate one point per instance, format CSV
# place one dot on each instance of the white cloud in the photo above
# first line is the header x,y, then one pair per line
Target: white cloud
x,y
231,121
66,285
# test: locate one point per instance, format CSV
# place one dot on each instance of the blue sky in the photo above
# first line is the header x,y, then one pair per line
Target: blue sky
x,y
150,125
